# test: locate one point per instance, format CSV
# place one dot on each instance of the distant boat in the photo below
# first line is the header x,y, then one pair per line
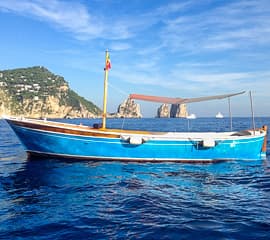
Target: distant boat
x,y
191,116
55,139
219,115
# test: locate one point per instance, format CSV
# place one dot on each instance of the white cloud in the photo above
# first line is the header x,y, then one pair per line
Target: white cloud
x,y
119,46
192,83
70,16
178,28
81,20
232,26
174,7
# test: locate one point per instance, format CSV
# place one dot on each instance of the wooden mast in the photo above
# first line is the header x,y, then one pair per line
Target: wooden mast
x,y
106,71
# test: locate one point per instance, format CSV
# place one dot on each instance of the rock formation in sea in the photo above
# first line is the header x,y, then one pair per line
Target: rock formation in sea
x,y
175,111
178,110
129,109
163,111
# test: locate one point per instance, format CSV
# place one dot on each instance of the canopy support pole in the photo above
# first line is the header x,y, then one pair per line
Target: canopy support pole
x,y
252,112
230,112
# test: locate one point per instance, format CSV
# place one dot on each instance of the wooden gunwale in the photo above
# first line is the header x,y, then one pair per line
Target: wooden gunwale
x,y
81,130
74,129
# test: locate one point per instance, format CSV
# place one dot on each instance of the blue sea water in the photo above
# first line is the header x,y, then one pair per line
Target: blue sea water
x,y
53,198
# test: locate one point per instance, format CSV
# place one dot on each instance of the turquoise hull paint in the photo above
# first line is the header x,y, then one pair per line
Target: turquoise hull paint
x,y
77,146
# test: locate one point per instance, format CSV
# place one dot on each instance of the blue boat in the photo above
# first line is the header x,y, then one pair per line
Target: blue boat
x,y
49,138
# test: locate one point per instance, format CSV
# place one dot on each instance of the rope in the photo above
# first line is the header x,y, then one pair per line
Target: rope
x,y
118,89
123,93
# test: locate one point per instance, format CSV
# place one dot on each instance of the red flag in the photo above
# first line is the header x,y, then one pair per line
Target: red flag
x,y
108,62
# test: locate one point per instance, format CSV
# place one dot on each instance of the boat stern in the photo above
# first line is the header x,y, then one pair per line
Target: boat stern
x,y
264,146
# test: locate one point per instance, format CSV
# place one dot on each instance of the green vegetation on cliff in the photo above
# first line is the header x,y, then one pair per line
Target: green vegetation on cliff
x,y
36,87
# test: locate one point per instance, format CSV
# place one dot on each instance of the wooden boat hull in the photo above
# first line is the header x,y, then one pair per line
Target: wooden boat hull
x,y
77,142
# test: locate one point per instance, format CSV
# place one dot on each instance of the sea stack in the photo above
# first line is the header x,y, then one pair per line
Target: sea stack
x,y
129,109
178,110
163,111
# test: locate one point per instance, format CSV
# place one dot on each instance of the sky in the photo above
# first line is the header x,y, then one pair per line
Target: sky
x,y
157,47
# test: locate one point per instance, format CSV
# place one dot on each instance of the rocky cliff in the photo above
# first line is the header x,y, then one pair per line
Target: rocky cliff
x,y
175,111
178,110
37,93
163,111
129,109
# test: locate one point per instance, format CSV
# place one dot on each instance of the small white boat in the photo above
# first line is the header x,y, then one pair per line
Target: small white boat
x,y
191,116
219,115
